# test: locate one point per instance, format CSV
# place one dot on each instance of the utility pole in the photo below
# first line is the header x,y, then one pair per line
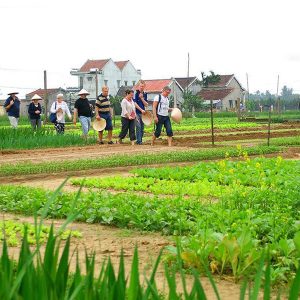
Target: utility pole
x,y
96,79
188,73
174,93
212,123
248,93
277,97
45,97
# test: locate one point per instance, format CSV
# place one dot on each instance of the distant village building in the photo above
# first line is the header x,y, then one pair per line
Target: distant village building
x,y
108,73
225,94
191,84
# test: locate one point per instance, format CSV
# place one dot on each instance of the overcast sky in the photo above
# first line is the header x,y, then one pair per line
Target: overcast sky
x,y
258,37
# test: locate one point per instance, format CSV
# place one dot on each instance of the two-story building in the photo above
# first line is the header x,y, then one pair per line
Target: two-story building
x,y
225,94
96,73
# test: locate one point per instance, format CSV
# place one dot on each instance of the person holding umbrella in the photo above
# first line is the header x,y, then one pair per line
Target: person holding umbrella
x,y
34,111
12,106
83,110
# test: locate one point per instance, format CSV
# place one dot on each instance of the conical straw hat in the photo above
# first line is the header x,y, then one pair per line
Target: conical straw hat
x,y
83,92
36,97
99,125
176,115
147,118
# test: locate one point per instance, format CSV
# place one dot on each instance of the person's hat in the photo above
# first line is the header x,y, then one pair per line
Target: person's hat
x,y
147,118
13,93
36,97
176,115
83,92
99,125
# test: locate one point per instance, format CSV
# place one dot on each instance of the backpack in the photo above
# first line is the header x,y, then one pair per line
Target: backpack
x,y
52,116
158,103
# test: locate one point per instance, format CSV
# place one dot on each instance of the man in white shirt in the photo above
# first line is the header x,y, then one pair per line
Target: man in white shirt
x,y
161,109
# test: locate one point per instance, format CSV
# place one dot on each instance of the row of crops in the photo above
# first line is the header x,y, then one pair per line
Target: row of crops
x,y
25,138
226,214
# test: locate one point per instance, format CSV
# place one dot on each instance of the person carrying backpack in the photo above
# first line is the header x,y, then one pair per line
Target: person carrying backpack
x,y
161,109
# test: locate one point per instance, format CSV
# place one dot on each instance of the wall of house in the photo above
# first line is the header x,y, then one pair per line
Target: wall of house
x,y
112,75
129,74
233,96
195,88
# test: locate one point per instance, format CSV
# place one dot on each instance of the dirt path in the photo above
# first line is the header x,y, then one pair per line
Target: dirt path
x,y
107,241
72,153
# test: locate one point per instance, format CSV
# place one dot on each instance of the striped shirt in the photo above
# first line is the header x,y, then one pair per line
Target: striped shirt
x,y
103,104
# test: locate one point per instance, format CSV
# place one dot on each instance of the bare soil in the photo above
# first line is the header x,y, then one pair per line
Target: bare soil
x,y
107,241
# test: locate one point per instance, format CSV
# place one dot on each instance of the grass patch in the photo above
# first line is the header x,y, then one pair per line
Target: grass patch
x,y
129,160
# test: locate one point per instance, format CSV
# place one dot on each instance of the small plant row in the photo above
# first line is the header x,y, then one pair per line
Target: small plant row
x,y
13,231
129,160
259,209
35,276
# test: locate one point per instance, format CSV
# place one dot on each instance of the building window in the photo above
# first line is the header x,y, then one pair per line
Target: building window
x,y
230,104
119,83
236,103
90,78
105,82
133,83
125,83
81,82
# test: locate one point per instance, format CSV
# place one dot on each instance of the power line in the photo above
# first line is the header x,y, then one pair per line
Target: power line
x,y
16,87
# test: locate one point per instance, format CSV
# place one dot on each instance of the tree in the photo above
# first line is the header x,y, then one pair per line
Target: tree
x,y
116,104
191,101
210,79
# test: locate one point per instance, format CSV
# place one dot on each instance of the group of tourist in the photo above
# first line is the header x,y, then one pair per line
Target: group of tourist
x,y
134,106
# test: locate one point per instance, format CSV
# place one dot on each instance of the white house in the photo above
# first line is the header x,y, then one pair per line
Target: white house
x,y
225,94
108,73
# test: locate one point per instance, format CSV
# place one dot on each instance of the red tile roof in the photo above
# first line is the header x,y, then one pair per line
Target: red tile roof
x,y
121,64
224,80
90,64
41,92
184,82
155,85
212,94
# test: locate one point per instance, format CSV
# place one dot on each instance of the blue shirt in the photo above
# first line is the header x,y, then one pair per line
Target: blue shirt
x,y
14,110
138,101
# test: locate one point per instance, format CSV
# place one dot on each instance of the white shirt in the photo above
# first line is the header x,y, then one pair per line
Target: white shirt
x,y
163,106
128,107
64,107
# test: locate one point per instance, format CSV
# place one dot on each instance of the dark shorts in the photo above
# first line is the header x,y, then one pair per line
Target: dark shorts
x,y
107,118
163,121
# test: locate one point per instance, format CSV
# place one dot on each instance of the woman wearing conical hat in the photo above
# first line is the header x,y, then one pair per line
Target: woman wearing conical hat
x,y
34,112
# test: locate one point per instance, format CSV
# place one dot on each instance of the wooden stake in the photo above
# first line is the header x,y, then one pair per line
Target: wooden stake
x,y
45,97
212,123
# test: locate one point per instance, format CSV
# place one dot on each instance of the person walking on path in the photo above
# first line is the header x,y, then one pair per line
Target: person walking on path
x,y
161,109
103,110
83,111
12,106
61,109
128,117
140,99
34,112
